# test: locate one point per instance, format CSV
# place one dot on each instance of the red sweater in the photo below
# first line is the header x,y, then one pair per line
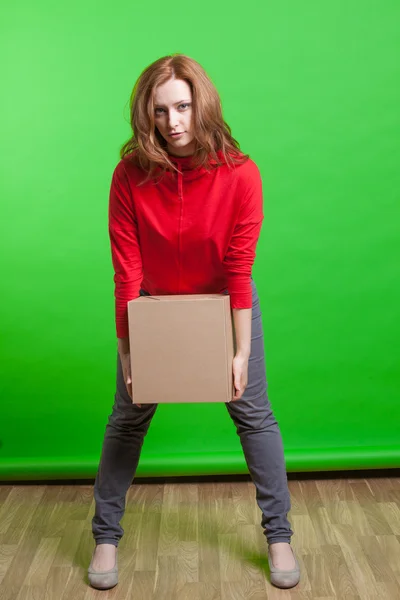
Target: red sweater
x,y
189,233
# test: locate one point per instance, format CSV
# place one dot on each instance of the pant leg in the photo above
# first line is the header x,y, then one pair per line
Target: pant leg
x,y
123,440
261,439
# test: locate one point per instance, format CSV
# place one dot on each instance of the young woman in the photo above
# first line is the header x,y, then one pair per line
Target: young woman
x,y
185,215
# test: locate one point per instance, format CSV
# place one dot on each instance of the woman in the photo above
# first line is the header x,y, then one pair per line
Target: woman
x,y
185,215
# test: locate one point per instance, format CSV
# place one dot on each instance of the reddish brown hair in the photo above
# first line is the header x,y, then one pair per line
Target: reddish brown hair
x,y
147,147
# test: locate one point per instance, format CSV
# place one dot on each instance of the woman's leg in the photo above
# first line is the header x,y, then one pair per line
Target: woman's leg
x,y
123,440
261,439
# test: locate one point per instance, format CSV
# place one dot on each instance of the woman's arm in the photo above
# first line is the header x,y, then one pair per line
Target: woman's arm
x,y
242,327
241,251
238,264
125,358
127,261
242,338
123,345
125,247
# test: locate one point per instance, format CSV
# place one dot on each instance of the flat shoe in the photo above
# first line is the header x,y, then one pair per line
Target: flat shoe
x,y
281,578
103,580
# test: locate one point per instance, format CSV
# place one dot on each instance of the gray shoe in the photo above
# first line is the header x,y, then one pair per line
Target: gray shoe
x,y
103,580
281,578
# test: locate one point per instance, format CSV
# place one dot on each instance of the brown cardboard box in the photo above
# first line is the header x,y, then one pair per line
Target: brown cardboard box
x,y
181,348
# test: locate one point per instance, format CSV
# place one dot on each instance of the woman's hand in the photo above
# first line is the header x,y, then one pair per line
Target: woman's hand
x,y
240,375
126,370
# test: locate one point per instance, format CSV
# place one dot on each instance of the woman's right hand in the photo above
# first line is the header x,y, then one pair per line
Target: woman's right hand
x,y
126,370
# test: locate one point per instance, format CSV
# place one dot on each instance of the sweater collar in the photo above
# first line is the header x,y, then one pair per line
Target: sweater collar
x,y
184,164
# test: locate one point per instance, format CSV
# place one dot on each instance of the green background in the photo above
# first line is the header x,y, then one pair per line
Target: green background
x,y
311,91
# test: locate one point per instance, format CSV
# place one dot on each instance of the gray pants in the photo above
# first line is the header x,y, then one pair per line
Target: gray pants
x,y
256,426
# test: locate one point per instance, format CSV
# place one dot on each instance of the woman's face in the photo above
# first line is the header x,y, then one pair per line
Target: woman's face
x,y
173,114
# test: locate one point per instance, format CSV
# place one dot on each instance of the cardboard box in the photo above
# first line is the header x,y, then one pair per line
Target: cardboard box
x,y
181,348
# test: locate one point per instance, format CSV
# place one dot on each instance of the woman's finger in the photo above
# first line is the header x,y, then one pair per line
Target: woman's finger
x,y
238,395
238,381
237,390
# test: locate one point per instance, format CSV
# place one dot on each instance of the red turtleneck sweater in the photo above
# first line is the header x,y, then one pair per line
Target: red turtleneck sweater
x,y
193,232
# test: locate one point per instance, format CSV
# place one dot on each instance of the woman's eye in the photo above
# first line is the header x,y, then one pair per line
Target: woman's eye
x,y
184,105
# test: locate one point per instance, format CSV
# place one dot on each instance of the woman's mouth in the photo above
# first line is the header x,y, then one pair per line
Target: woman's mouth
x,y
176,135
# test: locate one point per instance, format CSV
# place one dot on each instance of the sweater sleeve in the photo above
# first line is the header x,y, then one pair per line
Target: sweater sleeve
x,y
240,256
125,248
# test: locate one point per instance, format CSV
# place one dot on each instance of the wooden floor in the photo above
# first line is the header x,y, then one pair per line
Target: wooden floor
x,y
203,541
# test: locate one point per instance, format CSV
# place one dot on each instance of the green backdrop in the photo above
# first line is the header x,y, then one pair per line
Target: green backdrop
x,y
311,91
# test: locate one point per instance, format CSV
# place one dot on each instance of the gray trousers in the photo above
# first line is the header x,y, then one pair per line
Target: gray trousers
x,y
256,426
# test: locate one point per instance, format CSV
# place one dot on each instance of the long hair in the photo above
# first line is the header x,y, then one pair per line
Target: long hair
x,y
148,149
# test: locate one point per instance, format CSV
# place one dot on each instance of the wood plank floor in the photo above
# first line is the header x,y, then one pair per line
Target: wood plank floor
x,y
203,541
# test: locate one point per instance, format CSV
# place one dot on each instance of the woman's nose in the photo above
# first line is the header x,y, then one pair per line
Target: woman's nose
x,y
172,119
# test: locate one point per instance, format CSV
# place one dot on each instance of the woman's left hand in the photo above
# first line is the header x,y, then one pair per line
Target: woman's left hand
x,y
240,375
